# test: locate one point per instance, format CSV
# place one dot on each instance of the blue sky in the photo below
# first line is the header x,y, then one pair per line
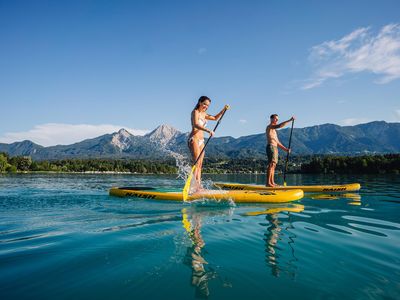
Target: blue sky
x,y
71,70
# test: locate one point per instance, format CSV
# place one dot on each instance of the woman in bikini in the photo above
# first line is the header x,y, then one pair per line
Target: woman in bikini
x,y
196,137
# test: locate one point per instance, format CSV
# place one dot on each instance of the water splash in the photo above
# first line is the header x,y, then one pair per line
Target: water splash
x,y
219,203
183,163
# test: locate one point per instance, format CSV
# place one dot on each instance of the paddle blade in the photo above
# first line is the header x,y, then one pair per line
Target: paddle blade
x,y
284,184
186,188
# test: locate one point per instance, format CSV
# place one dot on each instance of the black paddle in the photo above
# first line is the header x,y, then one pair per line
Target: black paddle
x,y
287,156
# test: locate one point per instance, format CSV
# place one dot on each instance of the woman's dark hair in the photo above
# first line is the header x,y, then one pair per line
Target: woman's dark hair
x,y
201,100
273,116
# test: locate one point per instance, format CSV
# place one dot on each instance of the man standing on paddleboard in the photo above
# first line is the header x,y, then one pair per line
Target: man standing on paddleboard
x,y
272,147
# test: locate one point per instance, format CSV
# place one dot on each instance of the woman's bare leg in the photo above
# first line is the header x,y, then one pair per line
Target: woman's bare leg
x,y
199,168
195,150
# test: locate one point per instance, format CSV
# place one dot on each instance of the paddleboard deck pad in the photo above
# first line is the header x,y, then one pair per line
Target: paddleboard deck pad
x,y
351,187
236,196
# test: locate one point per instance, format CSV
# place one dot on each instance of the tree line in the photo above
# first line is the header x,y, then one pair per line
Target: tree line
x,y
26,164
317,164
366,164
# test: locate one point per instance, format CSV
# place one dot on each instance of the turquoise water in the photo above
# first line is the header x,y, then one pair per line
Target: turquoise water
x,y
62,236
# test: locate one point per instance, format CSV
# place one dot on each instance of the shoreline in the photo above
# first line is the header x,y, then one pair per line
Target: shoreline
x,y
125,173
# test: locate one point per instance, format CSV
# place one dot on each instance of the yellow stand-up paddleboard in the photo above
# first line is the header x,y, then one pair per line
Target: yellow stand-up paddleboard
x,y
236,196
351,187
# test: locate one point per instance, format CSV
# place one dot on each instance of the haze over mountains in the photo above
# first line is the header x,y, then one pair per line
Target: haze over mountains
x,y
374,137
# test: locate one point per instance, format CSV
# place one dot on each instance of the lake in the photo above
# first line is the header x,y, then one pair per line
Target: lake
x,y
62,236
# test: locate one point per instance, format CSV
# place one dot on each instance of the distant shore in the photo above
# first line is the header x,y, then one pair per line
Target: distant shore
x,y
120,173
316,164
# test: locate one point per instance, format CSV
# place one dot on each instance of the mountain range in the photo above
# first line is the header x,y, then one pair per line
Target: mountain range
x,y
374,137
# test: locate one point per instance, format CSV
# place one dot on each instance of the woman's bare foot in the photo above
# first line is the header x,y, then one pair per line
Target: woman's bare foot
x,y
198,189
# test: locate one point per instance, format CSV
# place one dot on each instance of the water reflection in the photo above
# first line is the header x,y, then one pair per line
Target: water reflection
x,y
275,209
200,277
276,232
353,198
279,232
202,273
271,241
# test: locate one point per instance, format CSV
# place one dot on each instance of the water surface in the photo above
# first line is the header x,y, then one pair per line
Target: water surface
x,y
63,236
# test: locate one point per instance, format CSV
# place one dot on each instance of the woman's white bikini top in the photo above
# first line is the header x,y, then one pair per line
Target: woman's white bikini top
x,y
203,122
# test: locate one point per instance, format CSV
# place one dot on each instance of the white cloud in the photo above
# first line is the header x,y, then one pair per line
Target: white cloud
x,y
201,51
55,133
353,121
359,51
397,114
243,121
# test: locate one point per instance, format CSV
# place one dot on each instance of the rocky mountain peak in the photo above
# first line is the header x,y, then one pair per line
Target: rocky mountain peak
x,y
122,139
163,134
124,132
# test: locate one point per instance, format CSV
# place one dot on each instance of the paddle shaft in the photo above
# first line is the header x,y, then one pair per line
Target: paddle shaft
x,y
288,153
215,128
